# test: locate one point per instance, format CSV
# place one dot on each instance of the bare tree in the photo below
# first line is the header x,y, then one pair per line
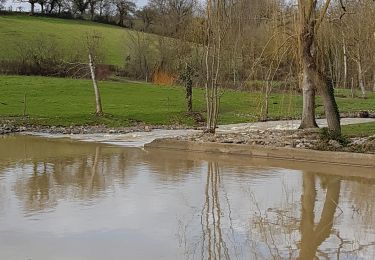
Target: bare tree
x,y
147,15
180,11
42,4
172,17
81,5
61,5
51,5
187,79
92,6
101,6
359,35
93,49
140,61
32,5
216,25
106,9
124,8
310,18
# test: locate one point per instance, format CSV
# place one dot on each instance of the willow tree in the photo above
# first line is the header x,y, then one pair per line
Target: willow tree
x,y
217,23
310,17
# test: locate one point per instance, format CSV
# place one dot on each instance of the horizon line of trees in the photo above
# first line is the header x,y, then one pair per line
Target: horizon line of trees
x,y
262,36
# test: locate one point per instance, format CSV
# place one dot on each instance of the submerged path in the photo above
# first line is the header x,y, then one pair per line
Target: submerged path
x,y
139,139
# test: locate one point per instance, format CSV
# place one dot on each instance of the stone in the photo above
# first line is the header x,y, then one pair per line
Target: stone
x,y
363,114
335,144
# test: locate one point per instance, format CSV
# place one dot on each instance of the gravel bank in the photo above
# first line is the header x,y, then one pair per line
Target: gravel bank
x,y
8,128
272,134
307,139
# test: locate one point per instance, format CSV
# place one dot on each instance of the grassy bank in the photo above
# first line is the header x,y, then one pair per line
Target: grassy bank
x,y
69,34
58,101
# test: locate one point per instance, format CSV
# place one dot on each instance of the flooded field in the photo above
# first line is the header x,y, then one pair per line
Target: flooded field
x,y
63,199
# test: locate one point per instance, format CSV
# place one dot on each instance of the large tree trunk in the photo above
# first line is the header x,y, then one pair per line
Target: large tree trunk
x,y
308,111
98,101
309,72
330,106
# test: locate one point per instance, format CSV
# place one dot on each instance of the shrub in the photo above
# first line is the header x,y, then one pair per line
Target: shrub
x,y
326,135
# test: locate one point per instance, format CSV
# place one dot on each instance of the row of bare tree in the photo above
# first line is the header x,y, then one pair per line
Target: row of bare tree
x,y
110,11
313,46
315,42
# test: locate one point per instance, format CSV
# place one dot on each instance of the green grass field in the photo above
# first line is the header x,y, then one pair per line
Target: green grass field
x,y
58,101
367,129
15,29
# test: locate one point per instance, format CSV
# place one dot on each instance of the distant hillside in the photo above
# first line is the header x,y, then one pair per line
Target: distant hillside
x,y
15,29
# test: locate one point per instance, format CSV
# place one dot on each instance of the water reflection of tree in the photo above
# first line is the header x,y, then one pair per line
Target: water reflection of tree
x,y
82,177
312,231
361,193
313,235
214,237
35,191
58,170
213,244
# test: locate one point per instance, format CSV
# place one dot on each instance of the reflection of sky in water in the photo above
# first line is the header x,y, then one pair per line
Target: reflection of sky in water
x,y
141,204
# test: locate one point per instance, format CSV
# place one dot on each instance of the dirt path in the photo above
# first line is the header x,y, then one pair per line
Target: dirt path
x,y
284,125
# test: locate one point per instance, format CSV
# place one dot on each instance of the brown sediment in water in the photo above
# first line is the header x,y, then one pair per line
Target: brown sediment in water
x,y
86,200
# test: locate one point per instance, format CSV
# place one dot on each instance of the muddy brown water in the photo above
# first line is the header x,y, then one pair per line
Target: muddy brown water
x,y
63,199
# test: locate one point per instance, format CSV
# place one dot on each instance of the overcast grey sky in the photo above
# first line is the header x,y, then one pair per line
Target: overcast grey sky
x,y
26,6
